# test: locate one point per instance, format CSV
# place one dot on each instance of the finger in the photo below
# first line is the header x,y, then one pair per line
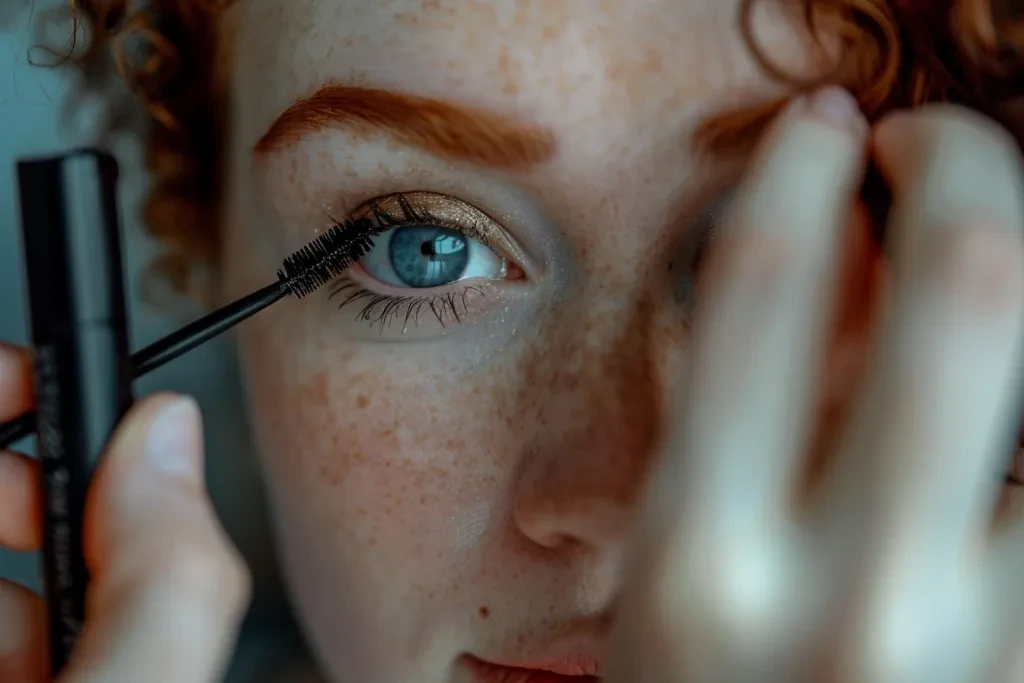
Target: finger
x,y
761,330
168,590
861,283
22,635
1006,599
937,417
15,381
948,167
20,522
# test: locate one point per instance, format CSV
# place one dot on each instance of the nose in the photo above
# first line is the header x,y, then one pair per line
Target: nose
x,y
600,427
556,510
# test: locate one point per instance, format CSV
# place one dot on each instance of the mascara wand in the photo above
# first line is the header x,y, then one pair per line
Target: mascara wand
x,y
301,274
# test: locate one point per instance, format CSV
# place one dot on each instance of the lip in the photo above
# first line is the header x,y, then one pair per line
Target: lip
x,y
569,669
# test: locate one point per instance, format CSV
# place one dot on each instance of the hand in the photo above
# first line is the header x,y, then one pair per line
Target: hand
x,y
168,591
889,569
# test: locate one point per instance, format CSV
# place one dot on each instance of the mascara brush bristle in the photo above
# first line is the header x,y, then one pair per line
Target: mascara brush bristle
x,y
327,257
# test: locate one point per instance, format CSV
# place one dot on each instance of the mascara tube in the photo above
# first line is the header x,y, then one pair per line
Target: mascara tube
x,y
72,257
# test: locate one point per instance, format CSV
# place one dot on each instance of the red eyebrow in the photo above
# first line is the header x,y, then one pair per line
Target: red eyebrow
x,y
448,130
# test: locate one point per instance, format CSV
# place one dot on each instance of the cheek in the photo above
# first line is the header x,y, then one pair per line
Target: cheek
x,y
362,443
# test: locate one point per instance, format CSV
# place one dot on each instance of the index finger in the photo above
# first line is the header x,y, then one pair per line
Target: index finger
x,y
760,334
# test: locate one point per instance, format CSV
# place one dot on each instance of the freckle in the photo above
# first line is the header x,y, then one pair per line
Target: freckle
x,y
371,543
362,401
316,390
361,512
331,477
485,612
652,60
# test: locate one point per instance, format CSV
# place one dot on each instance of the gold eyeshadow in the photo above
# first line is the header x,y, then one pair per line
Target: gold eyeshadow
x,y
450,212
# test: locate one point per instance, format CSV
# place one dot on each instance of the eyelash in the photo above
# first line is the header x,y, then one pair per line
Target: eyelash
x,y
381,310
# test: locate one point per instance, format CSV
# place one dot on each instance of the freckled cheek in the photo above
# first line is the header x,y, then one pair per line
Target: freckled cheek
x,y
372,443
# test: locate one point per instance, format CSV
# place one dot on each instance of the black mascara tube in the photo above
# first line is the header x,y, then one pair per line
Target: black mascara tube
x,y
72,257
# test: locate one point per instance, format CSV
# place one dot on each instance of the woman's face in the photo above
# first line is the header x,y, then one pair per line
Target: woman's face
x,y
455,435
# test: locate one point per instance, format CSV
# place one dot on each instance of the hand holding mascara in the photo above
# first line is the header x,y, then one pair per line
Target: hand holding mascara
x,y
301,274
167,591
150,468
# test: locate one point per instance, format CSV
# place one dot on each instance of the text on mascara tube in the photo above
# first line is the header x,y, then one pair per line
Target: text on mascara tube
x,y
63,589
51,445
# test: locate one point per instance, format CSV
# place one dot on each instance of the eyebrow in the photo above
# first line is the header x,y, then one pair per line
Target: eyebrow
x,y
445,129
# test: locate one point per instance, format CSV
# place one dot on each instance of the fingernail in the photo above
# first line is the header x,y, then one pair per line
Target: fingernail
x,y
173,441
838,106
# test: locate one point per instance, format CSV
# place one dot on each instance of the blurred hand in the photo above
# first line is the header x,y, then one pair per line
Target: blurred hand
x,y
168,591
889,570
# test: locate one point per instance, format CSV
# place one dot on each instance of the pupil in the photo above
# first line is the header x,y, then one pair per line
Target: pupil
x,y
428,255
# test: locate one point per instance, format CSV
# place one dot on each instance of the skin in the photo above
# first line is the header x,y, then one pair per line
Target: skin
x,y
480,489
493,471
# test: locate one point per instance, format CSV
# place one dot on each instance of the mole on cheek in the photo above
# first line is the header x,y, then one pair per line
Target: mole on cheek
x,y
485,612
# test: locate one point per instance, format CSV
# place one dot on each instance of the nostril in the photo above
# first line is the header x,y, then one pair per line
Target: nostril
x,y
597,525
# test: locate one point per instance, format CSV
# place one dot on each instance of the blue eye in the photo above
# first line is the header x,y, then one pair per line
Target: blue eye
x,y
425,256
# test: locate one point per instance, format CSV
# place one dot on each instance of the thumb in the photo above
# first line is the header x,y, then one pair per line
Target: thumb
x,y
167,589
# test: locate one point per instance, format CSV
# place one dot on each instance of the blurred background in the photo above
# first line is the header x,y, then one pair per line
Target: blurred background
x,y
37,118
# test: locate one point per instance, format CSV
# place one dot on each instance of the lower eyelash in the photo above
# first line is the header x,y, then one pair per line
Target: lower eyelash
x,y
383,309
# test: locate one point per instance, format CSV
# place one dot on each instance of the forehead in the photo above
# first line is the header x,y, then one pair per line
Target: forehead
x,y
574,65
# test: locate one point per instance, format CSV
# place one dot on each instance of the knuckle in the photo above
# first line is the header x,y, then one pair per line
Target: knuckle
x,y
725,600
213,575
982,266
949,123
759,259
909,631
887,650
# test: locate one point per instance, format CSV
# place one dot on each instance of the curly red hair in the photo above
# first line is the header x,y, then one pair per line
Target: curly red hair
x,y
892,54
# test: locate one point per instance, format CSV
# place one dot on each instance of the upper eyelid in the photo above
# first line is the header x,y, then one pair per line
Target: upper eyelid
x,y
474,222
384,217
